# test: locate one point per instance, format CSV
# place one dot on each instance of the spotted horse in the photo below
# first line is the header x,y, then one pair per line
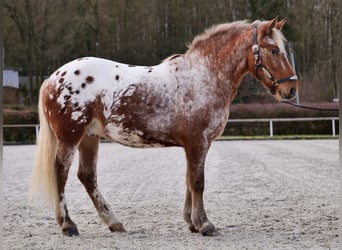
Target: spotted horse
x,y
184,101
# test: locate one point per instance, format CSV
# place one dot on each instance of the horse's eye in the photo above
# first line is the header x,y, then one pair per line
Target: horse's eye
x,y
274,51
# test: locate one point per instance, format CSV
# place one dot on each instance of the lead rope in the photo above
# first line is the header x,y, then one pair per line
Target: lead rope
x,y
308,107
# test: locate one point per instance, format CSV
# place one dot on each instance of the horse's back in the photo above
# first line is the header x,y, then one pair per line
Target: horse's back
x,y
84,79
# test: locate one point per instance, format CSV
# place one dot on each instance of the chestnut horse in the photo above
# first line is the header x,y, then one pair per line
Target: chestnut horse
x,y
184,101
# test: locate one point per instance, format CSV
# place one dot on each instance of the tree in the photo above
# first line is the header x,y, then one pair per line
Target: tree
x,y
41,35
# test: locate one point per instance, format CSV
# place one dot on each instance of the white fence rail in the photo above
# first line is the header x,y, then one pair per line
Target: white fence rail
x,y
272,120
269,120
36,126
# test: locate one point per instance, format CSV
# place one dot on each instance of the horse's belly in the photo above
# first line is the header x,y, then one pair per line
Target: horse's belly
x,y
130,137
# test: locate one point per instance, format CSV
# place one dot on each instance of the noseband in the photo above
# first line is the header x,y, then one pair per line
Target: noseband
x,y
258,65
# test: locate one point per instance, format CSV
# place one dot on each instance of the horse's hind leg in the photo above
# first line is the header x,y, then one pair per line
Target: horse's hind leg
x,y
65,155
88,149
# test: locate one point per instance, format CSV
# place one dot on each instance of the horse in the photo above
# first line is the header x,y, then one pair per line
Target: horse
x,y
183,101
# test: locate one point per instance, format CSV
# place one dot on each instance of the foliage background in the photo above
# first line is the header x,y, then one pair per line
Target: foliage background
x,y
41,35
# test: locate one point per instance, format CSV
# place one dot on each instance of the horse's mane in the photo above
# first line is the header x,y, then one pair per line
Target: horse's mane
x,y
230,30
226,29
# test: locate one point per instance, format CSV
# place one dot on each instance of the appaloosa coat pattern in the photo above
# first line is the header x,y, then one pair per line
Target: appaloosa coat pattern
x,y
184,101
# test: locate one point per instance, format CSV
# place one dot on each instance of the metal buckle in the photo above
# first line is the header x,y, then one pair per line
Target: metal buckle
x,y
255,49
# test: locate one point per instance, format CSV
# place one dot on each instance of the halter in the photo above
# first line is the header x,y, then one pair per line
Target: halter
x,y
258,65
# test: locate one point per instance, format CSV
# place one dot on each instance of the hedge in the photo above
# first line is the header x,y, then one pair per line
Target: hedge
x,y
237,111
19,135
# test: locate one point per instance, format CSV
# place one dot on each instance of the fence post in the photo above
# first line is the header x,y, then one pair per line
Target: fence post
x,y
37,131
333,127
271,128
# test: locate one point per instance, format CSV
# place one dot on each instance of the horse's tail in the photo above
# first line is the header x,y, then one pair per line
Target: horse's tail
x,y
44,180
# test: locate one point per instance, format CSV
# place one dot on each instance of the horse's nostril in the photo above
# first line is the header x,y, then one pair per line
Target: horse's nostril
x,y
292,91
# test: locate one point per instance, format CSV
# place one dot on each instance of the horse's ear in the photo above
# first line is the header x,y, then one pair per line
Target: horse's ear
x,y
269,25
279,25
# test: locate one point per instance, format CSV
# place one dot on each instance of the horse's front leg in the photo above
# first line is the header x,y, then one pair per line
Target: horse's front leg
x,y
188,208
194,213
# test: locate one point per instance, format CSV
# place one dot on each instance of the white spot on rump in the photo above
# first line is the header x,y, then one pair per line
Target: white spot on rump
x,y
61,99
75,115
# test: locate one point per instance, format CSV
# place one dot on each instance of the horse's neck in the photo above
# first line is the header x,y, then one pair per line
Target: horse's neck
x,y
227,66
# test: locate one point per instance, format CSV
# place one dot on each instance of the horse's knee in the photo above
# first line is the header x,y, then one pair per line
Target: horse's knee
x,y
197,183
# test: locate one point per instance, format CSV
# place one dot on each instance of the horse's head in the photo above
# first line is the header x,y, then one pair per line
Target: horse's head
x,y
268,61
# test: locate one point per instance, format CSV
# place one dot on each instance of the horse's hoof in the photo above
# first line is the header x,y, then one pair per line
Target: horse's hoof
x,y
193,229
70,231
209,230
210,233
118,227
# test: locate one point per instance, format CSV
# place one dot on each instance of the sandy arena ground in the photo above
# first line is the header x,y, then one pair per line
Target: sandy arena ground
x,y
259,194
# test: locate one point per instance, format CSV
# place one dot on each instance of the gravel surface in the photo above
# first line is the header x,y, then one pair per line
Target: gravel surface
x,y
259,194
